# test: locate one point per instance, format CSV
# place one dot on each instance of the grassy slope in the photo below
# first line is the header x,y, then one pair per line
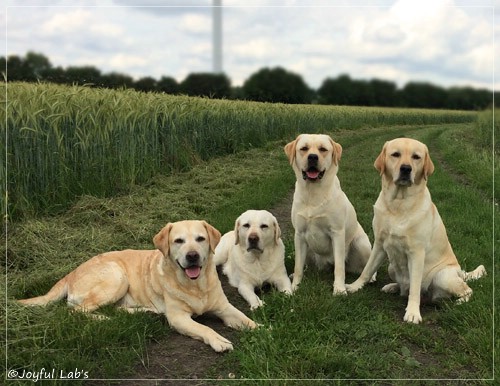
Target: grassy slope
x,y
313,335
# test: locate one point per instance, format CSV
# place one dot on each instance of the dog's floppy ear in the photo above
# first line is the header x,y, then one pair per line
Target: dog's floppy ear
x,y
237,231
161,241
380,161
277,231
428,164
337,151
213,235
290,150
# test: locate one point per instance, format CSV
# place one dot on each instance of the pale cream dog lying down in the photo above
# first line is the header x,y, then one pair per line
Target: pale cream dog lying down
x,y
325,222
253,254
179,279
409,231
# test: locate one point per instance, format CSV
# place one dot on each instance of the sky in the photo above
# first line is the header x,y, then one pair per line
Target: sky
x,y
445,42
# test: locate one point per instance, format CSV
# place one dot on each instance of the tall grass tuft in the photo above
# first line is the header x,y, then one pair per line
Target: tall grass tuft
x,y
66,141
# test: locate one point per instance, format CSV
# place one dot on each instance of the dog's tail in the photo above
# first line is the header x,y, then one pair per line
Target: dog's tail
x,y
57,292
476,274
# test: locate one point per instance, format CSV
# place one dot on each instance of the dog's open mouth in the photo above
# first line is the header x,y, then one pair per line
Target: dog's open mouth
x,y
312,174
193,271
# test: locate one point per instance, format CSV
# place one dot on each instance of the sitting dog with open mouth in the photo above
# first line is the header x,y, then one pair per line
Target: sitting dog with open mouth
x,y
410,232
325,222
179,279
253,254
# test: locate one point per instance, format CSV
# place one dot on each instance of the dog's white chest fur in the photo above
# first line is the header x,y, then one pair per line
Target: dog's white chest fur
x,y
316,231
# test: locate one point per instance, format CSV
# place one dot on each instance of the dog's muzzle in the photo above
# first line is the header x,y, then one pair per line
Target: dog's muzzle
x,y
312,173
253,243
193,268
404,177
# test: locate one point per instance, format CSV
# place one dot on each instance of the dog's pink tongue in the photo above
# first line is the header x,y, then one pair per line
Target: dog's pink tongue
x,y
313,174
193,272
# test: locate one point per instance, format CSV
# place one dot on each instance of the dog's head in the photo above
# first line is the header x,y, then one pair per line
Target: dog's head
x,y
189,244
405,162
313,155
256,230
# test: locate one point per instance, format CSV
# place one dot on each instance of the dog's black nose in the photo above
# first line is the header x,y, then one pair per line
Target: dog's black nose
x,y
253,239
405,169
192,257
312,158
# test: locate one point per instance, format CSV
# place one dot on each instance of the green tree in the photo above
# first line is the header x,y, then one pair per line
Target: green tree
x,y
16,69
146,84
383,93
83,75
116,80
168,85
276,85
206,84
339,91
37,65
425,95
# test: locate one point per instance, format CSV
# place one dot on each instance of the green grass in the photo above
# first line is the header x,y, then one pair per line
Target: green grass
x,y
43,249
311,335
362,336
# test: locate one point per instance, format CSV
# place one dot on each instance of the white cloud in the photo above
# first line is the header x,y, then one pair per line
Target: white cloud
x,y
194,23
66,22
394,40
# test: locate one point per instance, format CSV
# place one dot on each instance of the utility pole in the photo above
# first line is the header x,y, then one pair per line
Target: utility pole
x,y
217,36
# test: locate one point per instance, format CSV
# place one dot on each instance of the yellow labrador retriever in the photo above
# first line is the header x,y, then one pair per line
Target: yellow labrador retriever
x,y
325,222
253,254
178,280
409,231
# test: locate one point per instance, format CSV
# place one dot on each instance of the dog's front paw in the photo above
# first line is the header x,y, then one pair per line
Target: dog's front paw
x,y
413,316
353,287
258,303
220,344
295,286
391,288
339,290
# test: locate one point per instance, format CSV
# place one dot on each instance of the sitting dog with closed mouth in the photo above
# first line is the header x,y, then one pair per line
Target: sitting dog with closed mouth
x,y
410,232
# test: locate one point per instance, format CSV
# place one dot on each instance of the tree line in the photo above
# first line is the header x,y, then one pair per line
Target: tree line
x,y
266,85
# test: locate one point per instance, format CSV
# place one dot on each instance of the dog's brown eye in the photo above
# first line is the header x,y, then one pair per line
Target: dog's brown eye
x,y
247,225
416,157
304,148
200,239
264,226
396,154
323,149
179,241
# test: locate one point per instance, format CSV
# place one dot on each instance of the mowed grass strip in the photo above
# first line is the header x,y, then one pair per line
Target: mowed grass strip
x,y
42,250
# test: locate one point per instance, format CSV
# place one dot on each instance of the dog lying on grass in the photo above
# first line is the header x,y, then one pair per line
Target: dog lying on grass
x,y
409,231
179,279
253,254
